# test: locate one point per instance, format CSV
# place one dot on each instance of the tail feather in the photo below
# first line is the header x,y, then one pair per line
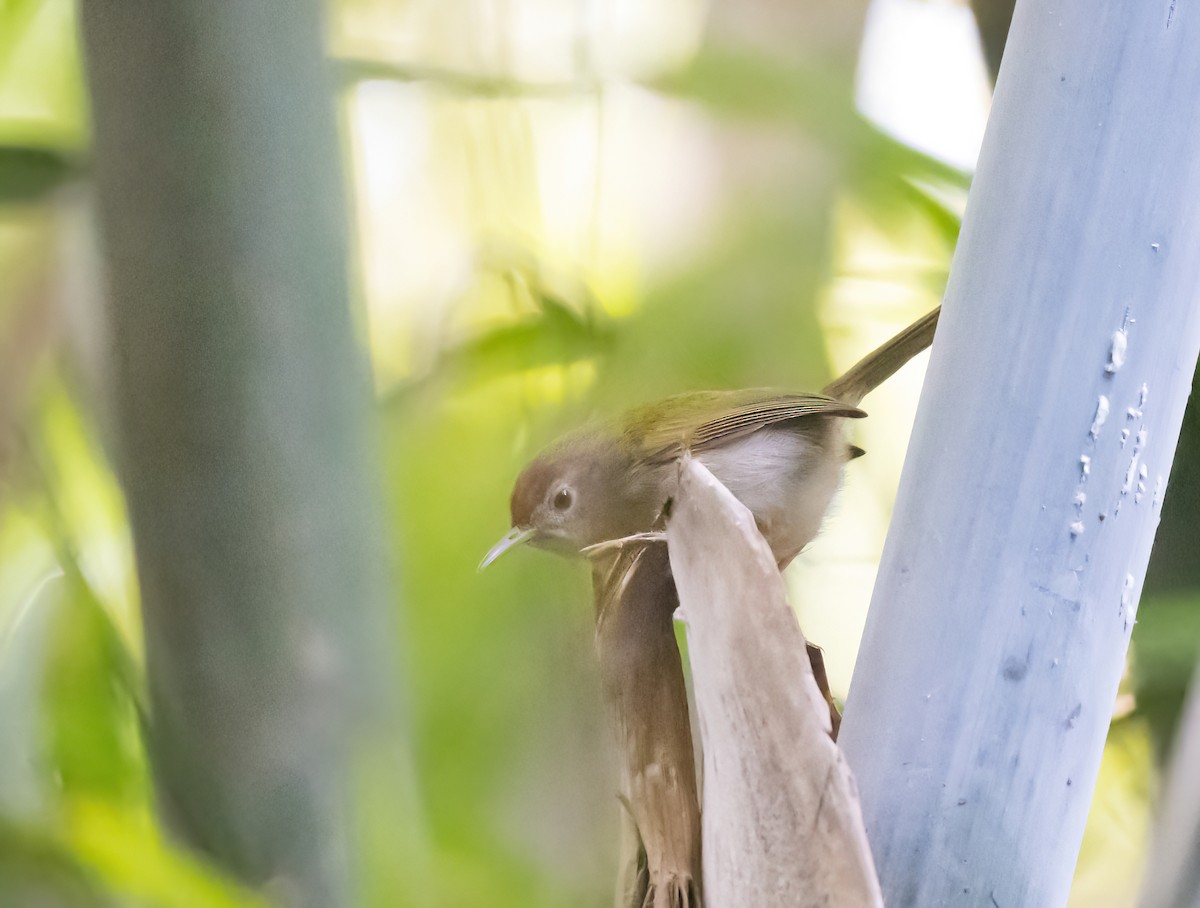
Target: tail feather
x,y
880,364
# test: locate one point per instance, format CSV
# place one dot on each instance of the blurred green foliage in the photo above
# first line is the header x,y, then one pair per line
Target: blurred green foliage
x,y
28,174
504,796
41,99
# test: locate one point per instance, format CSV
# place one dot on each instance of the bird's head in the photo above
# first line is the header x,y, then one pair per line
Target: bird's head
x,y
582,491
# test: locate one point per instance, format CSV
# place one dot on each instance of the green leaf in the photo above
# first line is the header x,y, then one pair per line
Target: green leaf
x,y
945,218
24,786
42,118
90,709
557,335
41,79
29,174
35,869
68,713
1166,645
741,86
130,856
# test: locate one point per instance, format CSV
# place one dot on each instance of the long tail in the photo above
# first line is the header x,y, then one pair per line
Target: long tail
x,y
880,364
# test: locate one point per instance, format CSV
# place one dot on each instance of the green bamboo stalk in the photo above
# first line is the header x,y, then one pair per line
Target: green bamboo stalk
x,y
241,404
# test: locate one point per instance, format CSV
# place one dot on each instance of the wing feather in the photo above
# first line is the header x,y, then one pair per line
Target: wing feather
x,y
697,422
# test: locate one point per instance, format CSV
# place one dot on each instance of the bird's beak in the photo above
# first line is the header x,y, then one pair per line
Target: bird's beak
x,y
515,536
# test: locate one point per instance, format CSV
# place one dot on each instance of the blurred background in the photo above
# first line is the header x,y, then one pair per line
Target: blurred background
x,y
559,209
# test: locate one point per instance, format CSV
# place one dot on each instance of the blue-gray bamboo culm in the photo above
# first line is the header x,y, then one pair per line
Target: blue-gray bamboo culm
x,y
1038,464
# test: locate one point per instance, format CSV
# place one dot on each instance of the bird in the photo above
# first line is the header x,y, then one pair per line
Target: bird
x,y
604,492
779,453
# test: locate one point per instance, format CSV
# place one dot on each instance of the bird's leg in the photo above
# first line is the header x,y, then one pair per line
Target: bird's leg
x,y
816,658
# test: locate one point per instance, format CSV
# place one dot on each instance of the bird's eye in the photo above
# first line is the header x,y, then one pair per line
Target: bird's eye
x,y
563,499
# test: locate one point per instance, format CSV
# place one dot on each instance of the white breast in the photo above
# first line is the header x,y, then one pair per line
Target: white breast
x,y
786,478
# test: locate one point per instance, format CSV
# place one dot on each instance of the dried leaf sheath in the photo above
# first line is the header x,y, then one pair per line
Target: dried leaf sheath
x,y
643,683
782,821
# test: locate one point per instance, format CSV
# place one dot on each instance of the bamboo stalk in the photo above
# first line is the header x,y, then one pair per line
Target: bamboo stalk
x,y
241,406
1038,464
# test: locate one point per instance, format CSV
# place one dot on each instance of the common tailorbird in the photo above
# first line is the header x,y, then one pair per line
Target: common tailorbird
x,y
780,454
597,489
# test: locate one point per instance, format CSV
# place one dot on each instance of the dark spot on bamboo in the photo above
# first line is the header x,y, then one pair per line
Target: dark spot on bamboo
x,y
1015,669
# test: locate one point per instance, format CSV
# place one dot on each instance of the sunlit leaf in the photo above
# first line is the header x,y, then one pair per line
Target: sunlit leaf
x,y
557,335
41,99
938,211
67,705
41,84
1110,858
75,498
24,658
131,857
90,703
37,870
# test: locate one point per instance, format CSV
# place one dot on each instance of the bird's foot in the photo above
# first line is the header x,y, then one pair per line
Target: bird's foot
x,y
675,891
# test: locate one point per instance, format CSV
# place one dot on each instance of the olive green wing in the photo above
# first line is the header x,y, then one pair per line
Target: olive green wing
x,y
701,421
